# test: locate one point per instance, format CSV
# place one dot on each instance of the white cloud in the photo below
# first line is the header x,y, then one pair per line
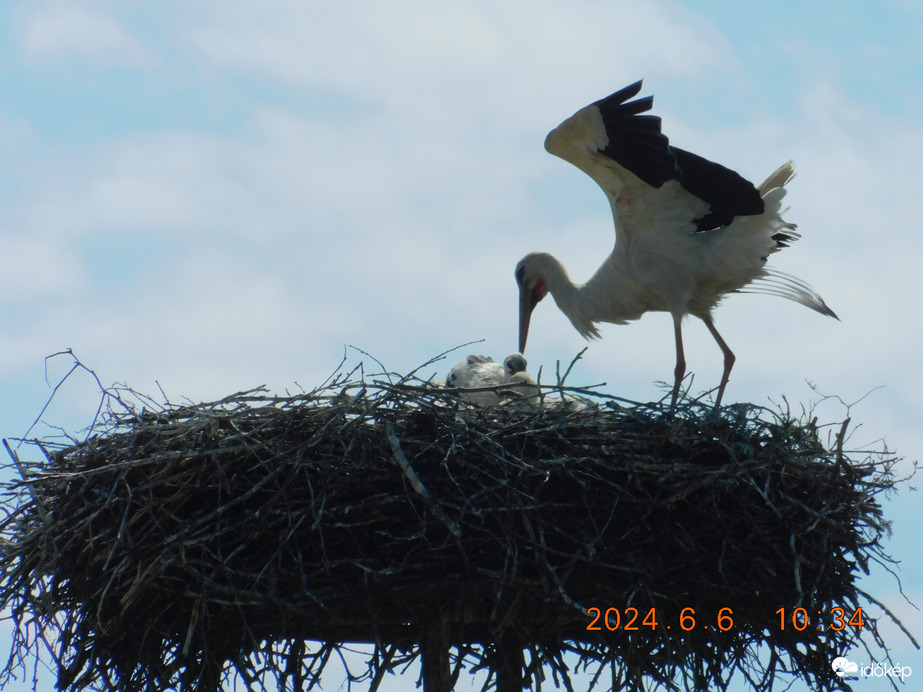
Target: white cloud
x,y
60,31
34,268
440,54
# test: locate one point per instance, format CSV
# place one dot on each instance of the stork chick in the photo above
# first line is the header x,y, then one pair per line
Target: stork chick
x,y
478,372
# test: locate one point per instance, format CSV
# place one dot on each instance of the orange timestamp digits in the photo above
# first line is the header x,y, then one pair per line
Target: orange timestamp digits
x,y
626,619
801,620
630,619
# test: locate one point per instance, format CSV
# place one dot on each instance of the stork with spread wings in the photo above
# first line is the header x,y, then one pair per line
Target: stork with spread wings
x,y
688,230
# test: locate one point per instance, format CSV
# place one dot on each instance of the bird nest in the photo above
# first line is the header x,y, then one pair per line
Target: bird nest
x,y
260,537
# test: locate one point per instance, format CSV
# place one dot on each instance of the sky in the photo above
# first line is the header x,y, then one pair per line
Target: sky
x,y
201,198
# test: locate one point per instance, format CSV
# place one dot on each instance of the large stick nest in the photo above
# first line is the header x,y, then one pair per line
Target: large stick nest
x,y
182,544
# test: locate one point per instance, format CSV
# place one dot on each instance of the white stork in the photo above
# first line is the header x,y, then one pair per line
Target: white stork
x,y
688,231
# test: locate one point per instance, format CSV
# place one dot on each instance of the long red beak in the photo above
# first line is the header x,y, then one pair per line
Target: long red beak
x,y
527,302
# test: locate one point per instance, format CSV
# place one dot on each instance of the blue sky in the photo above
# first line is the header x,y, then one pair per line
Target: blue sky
x,y
210,196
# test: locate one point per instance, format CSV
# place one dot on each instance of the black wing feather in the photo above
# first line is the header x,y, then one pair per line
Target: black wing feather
x,y
727,192
637,143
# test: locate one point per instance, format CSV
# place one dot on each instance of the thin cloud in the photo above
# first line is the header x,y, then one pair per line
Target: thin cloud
x,y
61,32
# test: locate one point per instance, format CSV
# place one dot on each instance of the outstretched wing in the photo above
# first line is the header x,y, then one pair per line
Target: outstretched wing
x,y
623,149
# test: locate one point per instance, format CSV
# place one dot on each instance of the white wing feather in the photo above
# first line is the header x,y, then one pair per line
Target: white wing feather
x,y
636,206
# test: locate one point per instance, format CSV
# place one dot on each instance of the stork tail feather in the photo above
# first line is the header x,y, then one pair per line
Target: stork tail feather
x,y
776,283
781,177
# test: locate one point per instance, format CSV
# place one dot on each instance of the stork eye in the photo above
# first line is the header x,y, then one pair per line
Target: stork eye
x,y
520,275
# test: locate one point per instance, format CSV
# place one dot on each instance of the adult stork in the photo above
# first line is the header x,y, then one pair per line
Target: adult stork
x,y
688,231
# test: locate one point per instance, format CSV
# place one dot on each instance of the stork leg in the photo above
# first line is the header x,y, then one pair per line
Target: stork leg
x,y
729,358
680,370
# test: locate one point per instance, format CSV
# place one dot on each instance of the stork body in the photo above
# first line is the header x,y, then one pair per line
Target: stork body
x,y
688,231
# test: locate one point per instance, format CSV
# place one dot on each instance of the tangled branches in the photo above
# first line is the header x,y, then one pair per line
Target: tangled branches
x,y
181,545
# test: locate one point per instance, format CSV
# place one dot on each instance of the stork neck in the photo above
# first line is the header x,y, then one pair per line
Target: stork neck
x,y
565,292
558,282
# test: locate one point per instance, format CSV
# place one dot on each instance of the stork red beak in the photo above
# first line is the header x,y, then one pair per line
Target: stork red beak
x,y
528,299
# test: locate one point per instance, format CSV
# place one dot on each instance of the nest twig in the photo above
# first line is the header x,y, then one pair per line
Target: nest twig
x,y
181,544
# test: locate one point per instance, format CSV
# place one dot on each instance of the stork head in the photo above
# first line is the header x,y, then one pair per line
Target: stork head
x,y
532,288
